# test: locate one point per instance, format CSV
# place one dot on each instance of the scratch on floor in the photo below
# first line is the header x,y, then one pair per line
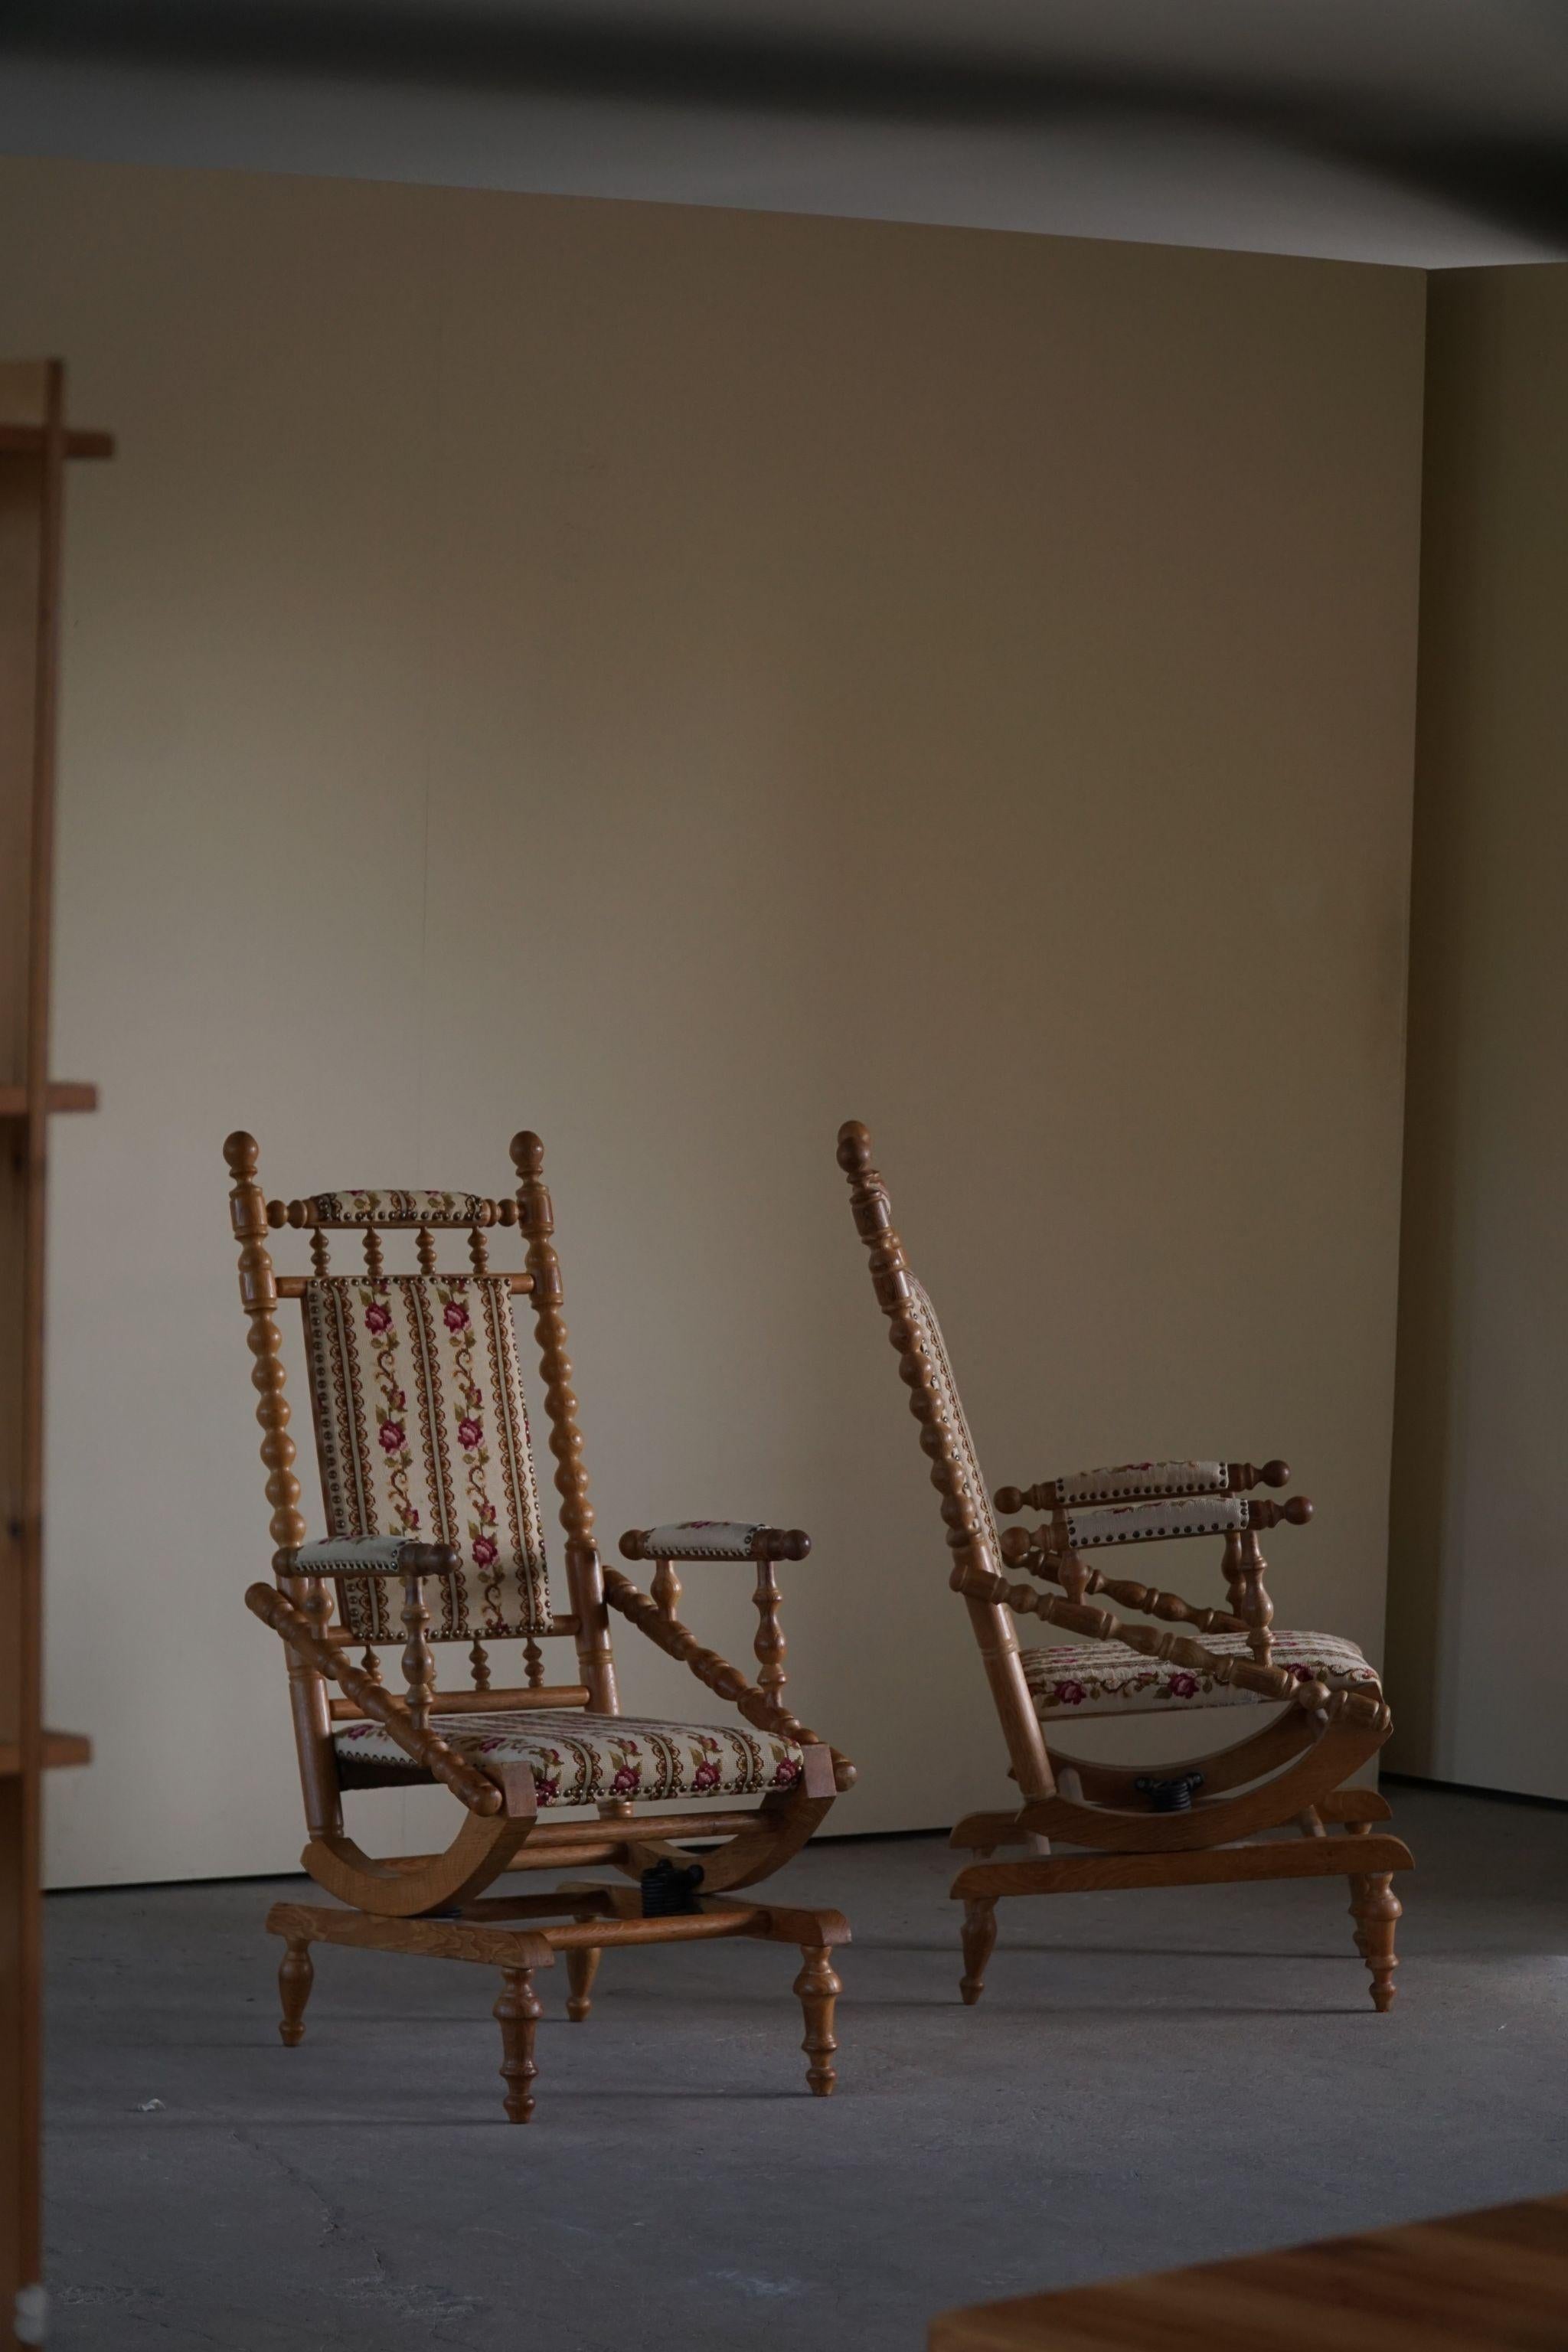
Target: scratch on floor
x,y
336,2224
749,2284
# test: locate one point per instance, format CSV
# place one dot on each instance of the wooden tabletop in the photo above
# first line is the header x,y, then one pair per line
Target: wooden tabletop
x,y
1494,2278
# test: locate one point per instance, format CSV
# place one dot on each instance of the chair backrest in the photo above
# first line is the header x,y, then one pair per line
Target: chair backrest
x,y
949,1419
423,1432
417,1401
946,1441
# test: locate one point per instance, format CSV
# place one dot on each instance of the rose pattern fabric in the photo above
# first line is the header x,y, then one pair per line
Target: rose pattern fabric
x,y
424,1434
1082,1678
578,1759
360,1208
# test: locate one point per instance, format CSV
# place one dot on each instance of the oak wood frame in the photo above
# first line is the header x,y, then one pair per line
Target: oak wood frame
x,y
1292,1772
36,443
1497,2277
393,1901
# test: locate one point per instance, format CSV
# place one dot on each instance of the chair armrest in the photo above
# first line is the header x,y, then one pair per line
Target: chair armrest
x,y
1125,1522
367,1555
715,1539
1142,1482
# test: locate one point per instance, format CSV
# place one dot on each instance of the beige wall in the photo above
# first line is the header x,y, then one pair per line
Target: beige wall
x,y
1479,1597
677,678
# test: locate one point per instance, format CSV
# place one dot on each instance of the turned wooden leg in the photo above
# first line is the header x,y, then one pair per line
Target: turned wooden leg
x,y
818,1988
517,2011
979,1943
582,1968
1376,1908
295,1976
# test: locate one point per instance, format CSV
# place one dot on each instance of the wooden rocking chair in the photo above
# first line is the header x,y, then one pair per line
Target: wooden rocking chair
x,y
428,1484
1203,1823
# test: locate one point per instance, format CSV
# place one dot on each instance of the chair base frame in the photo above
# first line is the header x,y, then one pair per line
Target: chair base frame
x,y
1366,1857
753,1845
518,1935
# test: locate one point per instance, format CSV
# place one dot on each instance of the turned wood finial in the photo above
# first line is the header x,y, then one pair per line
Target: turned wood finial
x,y
527,1153
1296,1513
242,1153
855,1148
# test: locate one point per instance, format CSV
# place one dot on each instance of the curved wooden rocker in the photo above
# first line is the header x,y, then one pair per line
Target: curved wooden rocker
x,y
1210,1819
429,1494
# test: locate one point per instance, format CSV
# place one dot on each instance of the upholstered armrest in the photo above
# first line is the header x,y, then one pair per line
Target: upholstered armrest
x,y
715,1539
1126,1523
1142,1482
761,1702
368,1555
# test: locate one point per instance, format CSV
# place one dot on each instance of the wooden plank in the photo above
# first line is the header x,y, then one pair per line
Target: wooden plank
x,y
442,1940
26,637
60,1093
492,1702
1082,1874
33,445
614,1832
1498,2277
60,1748
30,440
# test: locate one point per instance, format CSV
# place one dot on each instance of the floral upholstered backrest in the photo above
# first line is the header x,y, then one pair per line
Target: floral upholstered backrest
x,y
951,1414
423,1432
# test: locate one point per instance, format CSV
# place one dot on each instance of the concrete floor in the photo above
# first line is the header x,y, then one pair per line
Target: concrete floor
x,y
1151,2079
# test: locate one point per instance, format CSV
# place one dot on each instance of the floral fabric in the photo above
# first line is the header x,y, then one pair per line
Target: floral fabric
x,y
401,1208
950,1415
578,1759
1083,1678
1142,1482
423,1435
1204,1514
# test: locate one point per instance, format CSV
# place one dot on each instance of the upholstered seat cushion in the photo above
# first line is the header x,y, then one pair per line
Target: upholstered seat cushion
x,y
1081,1678
578,1759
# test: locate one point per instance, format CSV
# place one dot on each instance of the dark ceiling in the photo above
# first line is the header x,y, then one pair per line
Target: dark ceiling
x,y
1466,100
